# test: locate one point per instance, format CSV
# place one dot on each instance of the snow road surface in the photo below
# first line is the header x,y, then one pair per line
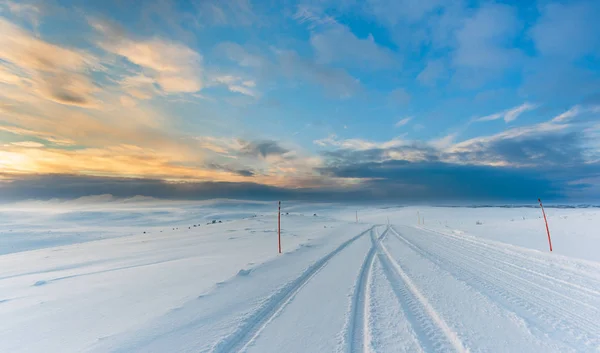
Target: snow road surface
x,y
407,289
350,287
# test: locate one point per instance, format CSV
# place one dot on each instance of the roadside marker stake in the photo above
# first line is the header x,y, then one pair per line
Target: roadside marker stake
x,y
279,226
546,220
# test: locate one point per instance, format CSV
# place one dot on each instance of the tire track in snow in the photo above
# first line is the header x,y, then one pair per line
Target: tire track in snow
x,y
433,332
358,328
563,275
256,322
576,295
560,304
513,293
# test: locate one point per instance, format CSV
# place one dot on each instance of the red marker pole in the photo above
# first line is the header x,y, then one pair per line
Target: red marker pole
x,y
546,220
279,226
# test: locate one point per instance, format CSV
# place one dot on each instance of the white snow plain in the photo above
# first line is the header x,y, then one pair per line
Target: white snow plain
x,y
105,275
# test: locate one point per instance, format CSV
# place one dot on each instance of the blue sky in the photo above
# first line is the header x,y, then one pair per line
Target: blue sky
x,y
402,100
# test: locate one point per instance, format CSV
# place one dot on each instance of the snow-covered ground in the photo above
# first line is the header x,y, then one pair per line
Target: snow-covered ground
x,y
138,275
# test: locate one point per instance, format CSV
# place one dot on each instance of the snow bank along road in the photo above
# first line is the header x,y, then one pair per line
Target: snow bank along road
x,y
392,289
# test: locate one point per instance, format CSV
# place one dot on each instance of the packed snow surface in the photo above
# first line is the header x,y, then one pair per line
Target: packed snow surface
x,y
105,275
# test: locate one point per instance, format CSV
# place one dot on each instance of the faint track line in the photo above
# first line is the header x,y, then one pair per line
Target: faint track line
x,y
358,334
578,294
488,279
568,271
483,260
273,305
434,334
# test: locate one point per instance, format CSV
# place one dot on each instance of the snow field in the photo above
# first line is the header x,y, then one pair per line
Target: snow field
x,y
340,286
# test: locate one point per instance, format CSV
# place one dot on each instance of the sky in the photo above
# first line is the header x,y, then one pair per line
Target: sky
x,y
398,100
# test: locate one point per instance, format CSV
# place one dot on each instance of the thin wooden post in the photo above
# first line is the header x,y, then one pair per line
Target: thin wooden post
x,y
546,220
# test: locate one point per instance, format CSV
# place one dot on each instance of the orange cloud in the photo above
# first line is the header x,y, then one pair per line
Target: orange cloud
x,y
114,125
53,72
132,161
123,160
139,86
123,135
42,135
173,66
31,144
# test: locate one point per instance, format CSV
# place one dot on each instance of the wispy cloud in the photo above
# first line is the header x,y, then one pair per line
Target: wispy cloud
x,y
224,146
241,55
139,86
514,113
276,64
357,144
238,85
39,134
444,142
567,29
509,114
179,71
568,115
433,71
31,144
337,44
226,13
312,16
393,12
52,72
484,41
30,12
334,80
403,122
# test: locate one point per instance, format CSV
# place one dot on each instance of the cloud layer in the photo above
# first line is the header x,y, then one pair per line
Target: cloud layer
x,y
334,100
